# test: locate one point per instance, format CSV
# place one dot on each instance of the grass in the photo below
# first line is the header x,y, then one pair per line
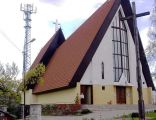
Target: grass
x,y
149,116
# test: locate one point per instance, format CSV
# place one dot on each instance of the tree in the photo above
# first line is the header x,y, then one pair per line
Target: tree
x,y
151,57
151,48
9,92
35,76
151,52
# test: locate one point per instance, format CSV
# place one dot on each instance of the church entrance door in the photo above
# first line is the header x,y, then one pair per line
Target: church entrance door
x,y
121,95
86,94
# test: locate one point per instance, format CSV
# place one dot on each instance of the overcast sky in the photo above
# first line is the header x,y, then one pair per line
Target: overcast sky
x,y
70,14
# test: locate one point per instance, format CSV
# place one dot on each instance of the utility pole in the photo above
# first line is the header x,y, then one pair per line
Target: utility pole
x,y
141,107
57,25
28,9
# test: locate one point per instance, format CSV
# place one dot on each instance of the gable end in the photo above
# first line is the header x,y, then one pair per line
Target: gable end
x,y
96,42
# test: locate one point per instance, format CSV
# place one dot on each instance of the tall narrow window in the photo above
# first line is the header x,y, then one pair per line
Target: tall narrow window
x,y
102,68
120,49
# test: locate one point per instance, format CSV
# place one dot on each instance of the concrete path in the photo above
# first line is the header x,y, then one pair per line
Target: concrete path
x,y
99,115
102,112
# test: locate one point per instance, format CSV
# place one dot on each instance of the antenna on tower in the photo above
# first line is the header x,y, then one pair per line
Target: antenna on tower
x,y
57,25
27,9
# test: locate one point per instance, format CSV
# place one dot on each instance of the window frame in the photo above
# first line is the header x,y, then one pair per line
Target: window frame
x,y
120,49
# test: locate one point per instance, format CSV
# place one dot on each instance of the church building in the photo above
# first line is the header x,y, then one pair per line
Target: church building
x,y
96,64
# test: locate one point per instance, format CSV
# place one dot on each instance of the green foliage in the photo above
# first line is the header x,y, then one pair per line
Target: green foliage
x,y
77,99
85,111
60,109
34,76
88,119
151,115
148,115
9,92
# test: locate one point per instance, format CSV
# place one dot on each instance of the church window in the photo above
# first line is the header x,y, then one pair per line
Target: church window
x,y
102,68
120,49
103,87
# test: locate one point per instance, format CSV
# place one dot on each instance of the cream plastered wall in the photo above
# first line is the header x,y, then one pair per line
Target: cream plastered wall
x,y
106,96
132,95
147,95
29,97
66,96
129,95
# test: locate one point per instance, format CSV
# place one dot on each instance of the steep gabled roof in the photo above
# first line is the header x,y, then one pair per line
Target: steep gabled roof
x,y
70,60
49,48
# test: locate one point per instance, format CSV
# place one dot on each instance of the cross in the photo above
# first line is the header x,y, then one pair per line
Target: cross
x,y
141,107
57,25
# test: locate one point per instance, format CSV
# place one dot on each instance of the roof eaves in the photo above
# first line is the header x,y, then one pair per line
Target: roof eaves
x,y
53,90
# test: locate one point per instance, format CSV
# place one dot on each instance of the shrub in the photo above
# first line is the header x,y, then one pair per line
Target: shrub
x,y
34,76
135,114
85,111
60,109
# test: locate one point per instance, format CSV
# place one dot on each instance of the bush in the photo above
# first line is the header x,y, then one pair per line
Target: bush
x,y
135,114
15,110
60,109
85,111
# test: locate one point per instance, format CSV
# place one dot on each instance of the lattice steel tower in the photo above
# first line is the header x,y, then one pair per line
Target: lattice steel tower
x,y
152,29
28,9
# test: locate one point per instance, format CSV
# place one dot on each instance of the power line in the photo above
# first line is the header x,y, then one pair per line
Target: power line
x,y
9,40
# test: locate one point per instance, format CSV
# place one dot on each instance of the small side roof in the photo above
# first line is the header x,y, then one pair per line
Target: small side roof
x,y
49,48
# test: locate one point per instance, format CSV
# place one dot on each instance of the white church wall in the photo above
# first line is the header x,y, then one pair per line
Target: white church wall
x,y
93,74
132,63
142,78
87,77
104,53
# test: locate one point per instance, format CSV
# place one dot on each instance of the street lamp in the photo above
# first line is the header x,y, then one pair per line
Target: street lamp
x,y
24,71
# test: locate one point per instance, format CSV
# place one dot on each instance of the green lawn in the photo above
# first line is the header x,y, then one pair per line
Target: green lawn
x,y
149,116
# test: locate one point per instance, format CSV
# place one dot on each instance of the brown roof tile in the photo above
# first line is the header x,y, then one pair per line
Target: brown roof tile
x,y
68,56
63,67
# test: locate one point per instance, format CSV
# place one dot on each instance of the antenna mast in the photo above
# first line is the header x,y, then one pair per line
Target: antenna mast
x,y
27,9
